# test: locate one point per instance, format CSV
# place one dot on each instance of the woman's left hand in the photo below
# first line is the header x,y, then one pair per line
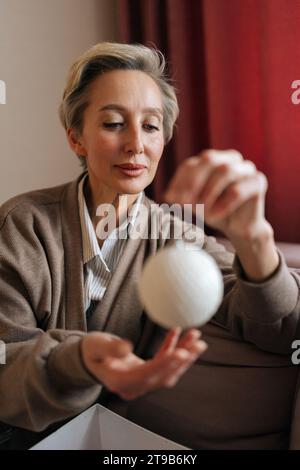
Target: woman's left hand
x,y
233,193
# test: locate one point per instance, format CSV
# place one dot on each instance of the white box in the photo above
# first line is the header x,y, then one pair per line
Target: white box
x,y
100,429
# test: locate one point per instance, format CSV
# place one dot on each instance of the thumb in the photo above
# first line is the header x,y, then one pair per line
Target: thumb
x,y
99,346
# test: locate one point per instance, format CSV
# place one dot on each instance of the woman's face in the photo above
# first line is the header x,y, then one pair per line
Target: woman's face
x,y
122,133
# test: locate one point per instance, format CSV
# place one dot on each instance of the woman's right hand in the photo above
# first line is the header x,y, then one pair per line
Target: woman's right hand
x,y
111,361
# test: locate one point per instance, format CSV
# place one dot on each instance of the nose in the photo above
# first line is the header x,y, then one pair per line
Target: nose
x,y
134,141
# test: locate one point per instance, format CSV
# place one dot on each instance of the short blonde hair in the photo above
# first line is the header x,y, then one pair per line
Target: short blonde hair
x,y
108,56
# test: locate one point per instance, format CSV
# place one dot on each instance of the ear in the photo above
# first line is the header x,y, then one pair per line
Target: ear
x,y
75,142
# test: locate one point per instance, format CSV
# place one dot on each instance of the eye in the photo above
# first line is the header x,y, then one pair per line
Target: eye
x,y
151,127
112,125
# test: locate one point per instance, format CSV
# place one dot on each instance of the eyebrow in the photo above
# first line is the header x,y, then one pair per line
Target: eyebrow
x,y
117,107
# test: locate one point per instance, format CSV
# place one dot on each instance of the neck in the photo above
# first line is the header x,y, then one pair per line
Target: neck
x,y
95,197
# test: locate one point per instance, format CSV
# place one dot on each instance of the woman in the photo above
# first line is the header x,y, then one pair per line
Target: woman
x,y
69,311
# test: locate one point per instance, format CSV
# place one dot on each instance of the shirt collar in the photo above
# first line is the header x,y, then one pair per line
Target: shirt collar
x,y
90,244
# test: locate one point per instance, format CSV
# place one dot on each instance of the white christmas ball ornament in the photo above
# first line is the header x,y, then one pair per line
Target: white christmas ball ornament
x,y
180,286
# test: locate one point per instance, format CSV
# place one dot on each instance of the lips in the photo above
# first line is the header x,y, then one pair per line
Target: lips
x,y
131,166
131,170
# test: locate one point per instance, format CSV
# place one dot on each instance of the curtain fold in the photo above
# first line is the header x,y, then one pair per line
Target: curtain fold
x,y
233,63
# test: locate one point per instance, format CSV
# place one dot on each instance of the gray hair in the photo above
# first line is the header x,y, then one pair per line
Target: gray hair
x,y
108,56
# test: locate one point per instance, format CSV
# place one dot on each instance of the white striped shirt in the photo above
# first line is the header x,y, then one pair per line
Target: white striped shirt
x,y
100,263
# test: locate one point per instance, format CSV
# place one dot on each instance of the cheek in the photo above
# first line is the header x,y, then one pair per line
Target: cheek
x,y
98,141
105,140
157,147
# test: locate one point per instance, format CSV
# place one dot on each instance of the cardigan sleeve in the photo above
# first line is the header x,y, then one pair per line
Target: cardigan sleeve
x,y
40,370
266,314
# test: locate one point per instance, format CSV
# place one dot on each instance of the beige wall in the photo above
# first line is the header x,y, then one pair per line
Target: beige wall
x,y
38,41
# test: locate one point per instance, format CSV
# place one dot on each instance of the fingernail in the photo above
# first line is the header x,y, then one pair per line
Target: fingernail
x,y
196,333
202,346
177,330
182,354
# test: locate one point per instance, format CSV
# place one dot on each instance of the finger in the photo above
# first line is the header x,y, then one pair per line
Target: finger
x,y
189,181
196,348
222,177
173,378
125,363
183,178
237,195
174,375
151,375
103,345
121,373
121,376
189,337
193,173
170,341
209,161
158,369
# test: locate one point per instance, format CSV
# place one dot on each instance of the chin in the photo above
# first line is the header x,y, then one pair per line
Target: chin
x,y
131,187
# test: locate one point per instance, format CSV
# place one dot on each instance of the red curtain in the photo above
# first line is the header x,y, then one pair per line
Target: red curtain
x,y
233,63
